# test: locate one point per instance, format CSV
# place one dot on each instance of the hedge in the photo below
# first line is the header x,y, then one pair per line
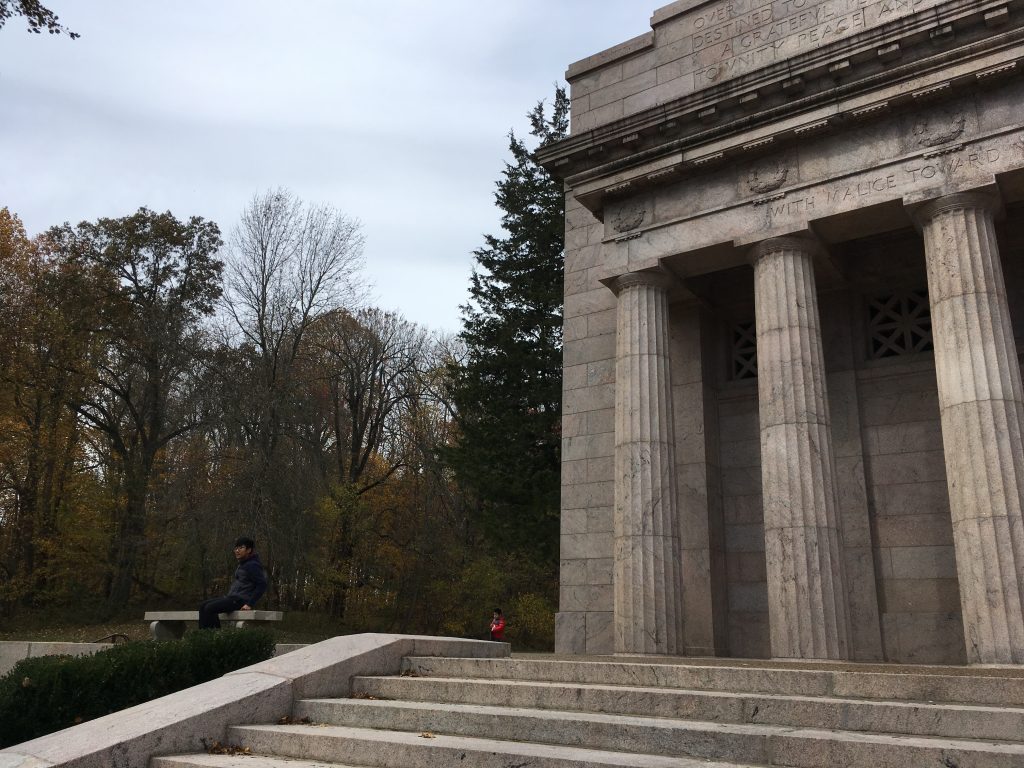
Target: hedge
x,y
47,693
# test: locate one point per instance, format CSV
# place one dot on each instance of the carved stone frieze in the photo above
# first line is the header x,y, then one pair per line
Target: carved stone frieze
x,y
767,176
939,127
628,217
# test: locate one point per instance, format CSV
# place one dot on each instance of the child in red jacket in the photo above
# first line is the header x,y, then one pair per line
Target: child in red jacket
x,y
497,626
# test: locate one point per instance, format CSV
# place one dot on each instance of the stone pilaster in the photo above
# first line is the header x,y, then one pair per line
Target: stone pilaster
x,y
803,546
647,575
982,419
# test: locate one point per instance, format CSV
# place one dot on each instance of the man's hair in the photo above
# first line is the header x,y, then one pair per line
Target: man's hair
x,y
245,541
497,610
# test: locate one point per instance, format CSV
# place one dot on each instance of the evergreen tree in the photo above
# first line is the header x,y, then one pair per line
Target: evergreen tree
x,y
507,391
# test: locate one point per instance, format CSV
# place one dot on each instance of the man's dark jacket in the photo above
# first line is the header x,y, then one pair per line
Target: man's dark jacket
x,y
250,580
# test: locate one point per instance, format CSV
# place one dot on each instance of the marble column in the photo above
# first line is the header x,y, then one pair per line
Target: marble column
x,y
982,413
808,615
647,573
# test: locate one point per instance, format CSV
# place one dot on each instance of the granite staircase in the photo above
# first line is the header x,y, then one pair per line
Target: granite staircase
x,y
549,712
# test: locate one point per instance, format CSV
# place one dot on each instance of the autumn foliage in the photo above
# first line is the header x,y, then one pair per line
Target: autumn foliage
x,y
162,391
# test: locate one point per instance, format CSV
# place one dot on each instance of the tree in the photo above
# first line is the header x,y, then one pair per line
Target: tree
x,y
39,440
289,264
36,15
152,279
372,363
507,390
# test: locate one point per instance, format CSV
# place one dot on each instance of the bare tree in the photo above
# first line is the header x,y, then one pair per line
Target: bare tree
x,y
373,362
288,263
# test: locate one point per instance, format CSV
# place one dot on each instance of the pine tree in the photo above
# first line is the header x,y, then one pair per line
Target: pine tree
x,y
508,389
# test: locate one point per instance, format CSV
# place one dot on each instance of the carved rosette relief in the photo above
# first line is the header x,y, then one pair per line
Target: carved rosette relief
x,y
628,217
939,127
767,177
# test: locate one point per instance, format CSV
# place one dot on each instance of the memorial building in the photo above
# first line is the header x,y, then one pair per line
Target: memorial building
x,y
794,295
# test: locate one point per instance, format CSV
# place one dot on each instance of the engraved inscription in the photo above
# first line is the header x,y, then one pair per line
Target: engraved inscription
x,y
729,38
973,159
795,207
747,26
966,163
848,192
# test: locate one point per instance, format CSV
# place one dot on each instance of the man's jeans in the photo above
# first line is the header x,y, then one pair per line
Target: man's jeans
x,y
208,611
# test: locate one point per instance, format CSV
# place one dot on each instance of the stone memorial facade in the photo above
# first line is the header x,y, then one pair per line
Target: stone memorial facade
x,y
794,275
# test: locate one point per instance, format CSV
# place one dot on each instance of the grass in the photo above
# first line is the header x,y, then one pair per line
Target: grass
x,y
82,625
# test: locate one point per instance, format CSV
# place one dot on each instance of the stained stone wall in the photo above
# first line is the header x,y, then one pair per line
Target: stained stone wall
x,y
916,564
584,623
744,521
822,131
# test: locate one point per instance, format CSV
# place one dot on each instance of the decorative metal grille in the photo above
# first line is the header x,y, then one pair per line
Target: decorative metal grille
x,y
744,351
899,324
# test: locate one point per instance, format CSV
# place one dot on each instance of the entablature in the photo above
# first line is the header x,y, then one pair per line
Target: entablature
x,y
924,57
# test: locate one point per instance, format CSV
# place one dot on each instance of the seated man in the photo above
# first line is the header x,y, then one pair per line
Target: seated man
x,y
249,584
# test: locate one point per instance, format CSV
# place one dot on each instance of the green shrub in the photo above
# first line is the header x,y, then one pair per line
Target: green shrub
x,y
531,623
45,694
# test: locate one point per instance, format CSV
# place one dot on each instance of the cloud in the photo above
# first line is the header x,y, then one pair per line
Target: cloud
x,y
396,113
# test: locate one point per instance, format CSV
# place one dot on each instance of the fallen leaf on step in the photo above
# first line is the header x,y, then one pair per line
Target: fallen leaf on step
x,y
427,735
288,720
227,749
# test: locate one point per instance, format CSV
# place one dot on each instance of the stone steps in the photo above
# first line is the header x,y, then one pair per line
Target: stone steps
x,y
907,718
999,687
745,743
341,747
675,713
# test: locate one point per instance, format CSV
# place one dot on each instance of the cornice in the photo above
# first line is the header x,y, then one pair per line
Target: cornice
x,y
831,86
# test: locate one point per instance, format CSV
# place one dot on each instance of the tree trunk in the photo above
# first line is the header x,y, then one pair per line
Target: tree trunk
x,y
130,535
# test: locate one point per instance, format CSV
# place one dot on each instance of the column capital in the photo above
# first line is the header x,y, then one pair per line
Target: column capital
x,y
958,201
809,245
654,279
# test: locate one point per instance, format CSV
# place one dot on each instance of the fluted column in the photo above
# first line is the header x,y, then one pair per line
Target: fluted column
x,y
803,546
982,415
648,598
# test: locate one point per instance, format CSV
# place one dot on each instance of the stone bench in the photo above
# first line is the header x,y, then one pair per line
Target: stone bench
x,y
170,625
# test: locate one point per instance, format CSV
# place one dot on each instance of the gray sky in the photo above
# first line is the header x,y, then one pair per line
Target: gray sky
x,y
394,112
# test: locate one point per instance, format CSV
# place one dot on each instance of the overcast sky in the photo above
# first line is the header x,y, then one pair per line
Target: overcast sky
x,y
393,111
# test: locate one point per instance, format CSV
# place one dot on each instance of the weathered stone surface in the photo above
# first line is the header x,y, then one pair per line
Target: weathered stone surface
x,y
803,543
648,594
982,420
570,632
733,125
644,711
